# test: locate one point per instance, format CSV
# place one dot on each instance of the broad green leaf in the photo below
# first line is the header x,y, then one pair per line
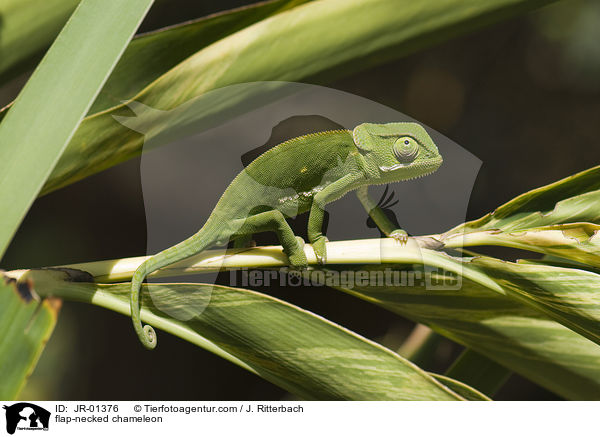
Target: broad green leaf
x,y
48,110
567,295
27,27
514,335
153,54
573,199
481,313
293,348
298,44
26,325
561,219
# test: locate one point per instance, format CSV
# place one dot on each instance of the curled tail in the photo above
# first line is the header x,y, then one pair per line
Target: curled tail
x,y
180,251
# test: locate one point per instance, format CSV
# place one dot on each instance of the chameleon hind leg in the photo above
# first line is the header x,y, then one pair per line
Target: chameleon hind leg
x,y
274,221
379,217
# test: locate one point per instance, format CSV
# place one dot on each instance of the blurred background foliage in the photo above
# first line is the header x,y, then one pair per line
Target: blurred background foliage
x,y
522,95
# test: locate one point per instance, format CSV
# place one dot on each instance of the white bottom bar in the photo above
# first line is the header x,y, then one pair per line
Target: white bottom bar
x,y
303,418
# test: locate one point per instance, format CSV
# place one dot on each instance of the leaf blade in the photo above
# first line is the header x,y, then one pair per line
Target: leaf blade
x,y
568,295
300,46
28,153
161,50
26,326
516,336
27,27
571,199
293,348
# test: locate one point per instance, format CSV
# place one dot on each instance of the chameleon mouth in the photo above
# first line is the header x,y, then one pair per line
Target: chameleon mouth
x,y
432,164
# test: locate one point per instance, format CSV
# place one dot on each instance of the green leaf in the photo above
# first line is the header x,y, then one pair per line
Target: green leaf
x,y
481,312
159,51
27,27
514,335
48,110
567,295
294,45
573,199
561,219
293,348
26,325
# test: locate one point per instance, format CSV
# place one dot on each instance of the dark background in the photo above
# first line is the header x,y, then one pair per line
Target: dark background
x,y
522,95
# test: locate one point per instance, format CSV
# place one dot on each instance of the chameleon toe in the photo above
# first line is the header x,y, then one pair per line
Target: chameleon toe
x,y
400,236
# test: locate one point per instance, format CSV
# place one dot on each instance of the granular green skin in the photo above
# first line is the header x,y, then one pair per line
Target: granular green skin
x,y
300,175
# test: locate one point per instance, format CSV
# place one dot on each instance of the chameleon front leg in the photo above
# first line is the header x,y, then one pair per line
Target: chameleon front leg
x,y
379,217
274,221
330,193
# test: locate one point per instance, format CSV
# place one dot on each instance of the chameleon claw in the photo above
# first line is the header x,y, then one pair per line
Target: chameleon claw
x,y
400,236
319,246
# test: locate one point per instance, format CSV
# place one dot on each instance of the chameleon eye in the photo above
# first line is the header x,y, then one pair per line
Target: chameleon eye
x,y
406,150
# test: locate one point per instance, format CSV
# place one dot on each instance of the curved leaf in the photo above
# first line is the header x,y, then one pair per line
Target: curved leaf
x,y
567,295
304,42
293,348
516,336
478,312
573,199
153,54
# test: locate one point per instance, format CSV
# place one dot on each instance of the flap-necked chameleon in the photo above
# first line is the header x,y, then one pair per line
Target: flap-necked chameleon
x,y
301,175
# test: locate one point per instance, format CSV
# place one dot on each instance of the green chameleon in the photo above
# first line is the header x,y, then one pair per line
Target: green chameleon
x,y
299,175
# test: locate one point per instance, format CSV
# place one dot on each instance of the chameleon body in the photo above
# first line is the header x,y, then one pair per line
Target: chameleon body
x,y
302,175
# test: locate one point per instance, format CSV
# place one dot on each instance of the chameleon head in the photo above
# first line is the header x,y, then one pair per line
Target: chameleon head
x,y
396,151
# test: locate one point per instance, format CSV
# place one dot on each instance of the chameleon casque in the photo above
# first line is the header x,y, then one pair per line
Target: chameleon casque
x,y
301,175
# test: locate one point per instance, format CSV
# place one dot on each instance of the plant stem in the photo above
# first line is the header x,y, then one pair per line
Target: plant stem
x,y
368,251
421,346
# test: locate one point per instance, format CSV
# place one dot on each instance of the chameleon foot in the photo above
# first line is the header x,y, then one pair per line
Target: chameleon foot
x,y
320,249
297,257
400,236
